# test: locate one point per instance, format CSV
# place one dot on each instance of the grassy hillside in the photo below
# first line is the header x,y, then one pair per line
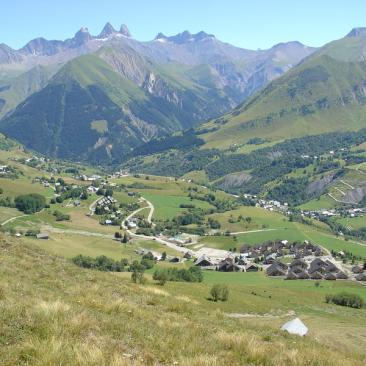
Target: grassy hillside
x,y
136,99
67,315
324,93
321,95
313,109
17,88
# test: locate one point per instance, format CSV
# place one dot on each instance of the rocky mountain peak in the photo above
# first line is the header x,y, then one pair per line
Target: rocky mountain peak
x,y
82,36
160,36
357,32
203,35
185,37
124,30
107,31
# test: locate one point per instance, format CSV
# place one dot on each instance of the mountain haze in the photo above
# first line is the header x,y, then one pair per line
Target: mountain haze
x,y
140,90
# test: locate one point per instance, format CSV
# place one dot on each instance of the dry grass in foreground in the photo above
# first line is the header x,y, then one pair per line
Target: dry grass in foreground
x,y
54,313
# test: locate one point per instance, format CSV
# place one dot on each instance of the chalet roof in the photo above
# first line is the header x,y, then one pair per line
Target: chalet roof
x,y
316,276
297,269
341,276
357,269
317,265
250,266
331,267
298,263
361,277
203,261
291,276
317,261
303,275
330,276
276,269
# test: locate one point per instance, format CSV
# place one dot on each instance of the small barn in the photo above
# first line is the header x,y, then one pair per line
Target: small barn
x,y
251,267
203,261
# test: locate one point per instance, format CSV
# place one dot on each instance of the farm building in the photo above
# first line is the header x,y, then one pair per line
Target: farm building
x,y
204,261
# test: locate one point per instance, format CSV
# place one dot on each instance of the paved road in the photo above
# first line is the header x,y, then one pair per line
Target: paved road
x,y
145,237
132,215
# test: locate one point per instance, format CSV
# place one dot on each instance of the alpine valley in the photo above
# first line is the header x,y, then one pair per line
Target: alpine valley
x,y
94,98
182,201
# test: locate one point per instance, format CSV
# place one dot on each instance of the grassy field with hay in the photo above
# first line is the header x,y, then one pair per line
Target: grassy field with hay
x,y
68,315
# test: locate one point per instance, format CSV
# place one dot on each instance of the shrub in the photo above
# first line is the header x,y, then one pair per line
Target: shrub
x,y
187,205
61,216
144,231
193,274
32,232
147,263
6,202
345,299
219,292
137,270
101,263
30,203
125,238
161,277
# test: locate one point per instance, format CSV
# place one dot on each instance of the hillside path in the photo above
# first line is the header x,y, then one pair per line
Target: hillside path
x,y
252,231
12,219
92,206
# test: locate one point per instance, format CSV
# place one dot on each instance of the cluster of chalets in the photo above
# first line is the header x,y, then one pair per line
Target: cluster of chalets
x,y
359,273
229,264
301,269
269,252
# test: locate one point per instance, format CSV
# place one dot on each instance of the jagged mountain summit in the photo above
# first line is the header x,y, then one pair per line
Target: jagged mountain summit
x,y
135,90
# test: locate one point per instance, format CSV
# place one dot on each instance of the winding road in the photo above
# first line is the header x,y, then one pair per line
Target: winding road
x,y
155,238
92,206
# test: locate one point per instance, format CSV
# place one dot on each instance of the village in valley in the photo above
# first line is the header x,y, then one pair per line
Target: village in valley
x,y
296,260
185,190
176,230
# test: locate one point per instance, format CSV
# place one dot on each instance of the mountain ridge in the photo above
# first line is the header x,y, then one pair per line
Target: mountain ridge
x,y
158,87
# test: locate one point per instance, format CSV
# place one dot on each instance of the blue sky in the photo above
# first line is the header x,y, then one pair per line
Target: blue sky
x,y
244,23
